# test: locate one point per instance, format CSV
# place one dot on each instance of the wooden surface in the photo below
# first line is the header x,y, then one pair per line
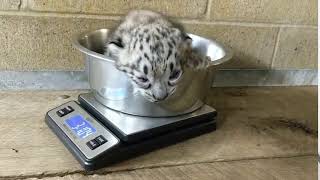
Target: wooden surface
x,y
262,133
284,168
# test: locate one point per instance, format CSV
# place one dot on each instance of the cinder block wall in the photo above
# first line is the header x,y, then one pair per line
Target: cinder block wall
x,y
264,34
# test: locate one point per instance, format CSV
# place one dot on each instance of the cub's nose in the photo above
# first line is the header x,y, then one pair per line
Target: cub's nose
x,y
160,97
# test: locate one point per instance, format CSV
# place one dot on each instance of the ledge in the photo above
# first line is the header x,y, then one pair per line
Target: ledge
x,y
75,80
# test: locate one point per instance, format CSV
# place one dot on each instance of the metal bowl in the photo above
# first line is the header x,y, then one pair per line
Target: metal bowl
x,y
113,88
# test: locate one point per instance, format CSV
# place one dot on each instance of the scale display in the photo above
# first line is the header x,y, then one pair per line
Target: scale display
x,y
80,126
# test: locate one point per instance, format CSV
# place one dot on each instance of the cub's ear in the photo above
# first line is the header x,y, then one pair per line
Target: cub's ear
x,y
186,49
187,39
186,45
115,46
186,42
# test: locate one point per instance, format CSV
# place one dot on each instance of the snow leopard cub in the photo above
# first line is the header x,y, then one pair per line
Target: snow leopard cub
x,y
152,51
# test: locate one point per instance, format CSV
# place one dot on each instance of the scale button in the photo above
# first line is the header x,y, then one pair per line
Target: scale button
x,y
61,113
92,144
101,140
65,111
69,109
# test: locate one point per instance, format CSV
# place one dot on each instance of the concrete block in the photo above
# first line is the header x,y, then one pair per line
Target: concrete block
x,y
9,4
177,8
298,49
43,43
252,46
55,5
267,11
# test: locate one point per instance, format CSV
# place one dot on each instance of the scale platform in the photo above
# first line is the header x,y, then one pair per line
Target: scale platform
x,y
98,136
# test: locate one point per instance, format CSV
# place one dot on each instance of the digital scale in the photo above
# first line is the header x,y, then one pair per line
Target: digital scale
x,y
98,136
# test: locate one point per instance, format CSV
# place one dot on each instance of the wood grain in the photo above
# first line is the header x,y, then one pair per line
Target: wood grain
x,y
284,168
252,123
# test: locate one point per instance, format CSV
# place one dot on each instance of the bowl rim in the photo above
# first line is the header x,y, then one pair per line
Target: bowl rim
x,y
76,38
75,42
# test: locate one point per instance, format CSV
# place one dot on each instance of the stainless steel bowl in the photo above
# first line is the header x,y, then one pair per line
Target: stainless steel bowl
x,y
113,88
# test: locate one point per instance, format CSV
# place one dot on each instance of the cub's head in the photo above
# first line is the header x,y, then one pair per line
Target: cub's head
x,y
153,57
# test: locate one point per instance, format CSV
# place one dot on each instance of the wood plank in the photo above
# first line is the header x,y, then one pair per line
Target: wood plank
x,y
264,169
293,104
252,123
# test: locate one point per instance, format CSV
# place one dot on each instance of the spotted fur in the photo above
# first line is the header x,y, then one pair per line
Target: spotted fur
x,y
152,51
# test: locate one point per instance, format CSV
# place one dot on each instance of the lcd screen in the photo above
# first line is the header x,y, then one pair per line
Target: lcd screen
x,y
80,126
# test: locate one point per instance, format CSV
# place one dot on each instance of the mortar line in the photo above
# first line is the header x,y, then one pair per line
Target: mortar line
x,y
84,173
19,5
61,15
246,24
208,10
118,17
276,46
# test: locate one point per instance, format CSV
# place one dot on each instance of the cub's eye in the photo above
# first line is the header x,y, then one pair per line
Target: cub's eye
x,y
175,75
142,79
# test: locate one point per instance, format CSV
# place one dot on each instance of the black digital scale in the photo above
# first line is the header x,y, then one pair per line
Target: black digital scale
x,y
98,136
